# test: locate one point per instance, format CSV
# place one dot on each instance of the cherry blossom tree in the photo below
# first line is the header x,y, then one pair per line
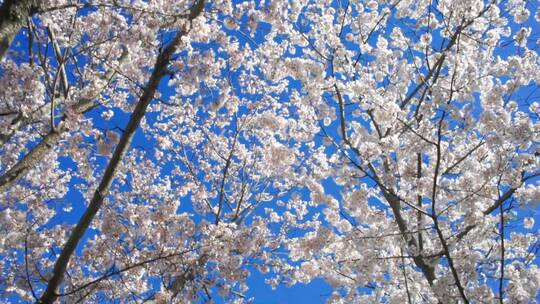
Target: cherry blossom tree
x,y
435,155
165,150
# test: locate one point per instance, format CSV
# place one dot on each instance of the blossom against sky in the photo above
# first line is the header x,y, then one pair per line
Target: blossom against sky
x,y
194,151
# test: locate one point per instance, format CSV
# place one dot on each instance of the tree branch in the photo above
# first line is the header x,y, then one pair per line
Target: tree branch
x,y
49,141
13,16
160,70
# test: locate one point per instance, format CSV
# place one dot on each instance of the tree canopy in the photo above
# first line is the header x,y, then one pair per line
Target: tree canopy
x,y
165,151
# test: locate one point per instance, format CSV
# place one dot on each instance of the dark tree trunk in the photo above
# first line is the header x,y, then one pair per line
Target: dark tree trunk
x,y
13,16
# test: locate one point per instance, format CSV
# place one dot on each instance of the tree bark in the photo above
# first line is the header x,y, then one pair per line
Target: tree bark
x,y
13,16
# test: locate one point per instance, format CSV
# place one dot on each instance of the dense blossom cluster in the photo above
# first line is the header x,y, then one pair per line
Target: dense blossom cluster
x,y
165,150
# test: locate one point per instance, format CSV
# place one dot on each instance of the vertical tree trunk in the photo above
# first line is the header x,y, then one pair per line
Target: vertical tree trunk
x,y
13,16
